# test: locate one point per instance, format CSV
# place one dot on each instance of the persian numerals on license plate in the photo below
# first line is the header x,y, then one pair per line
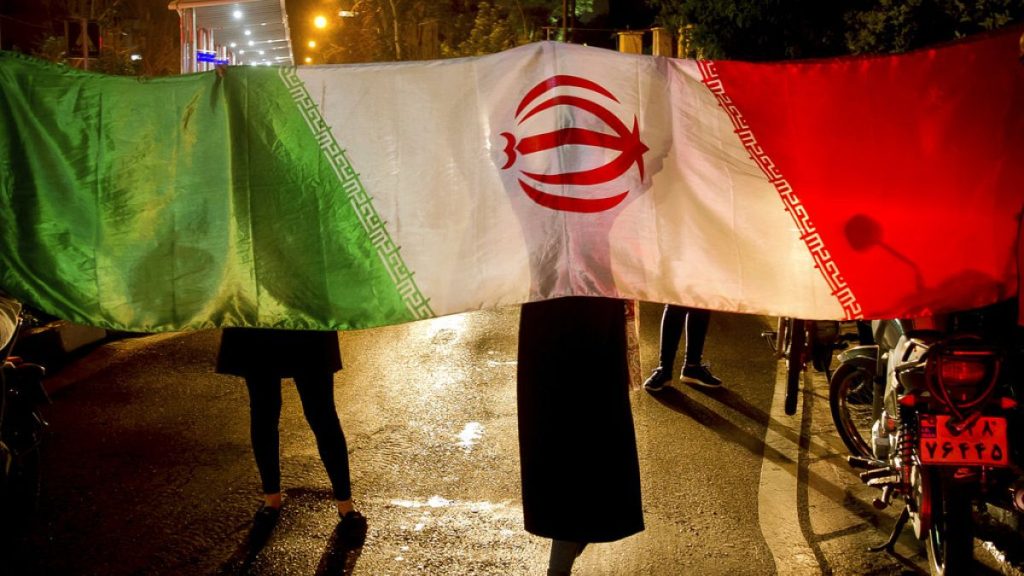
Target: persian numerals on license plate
x,y
982,443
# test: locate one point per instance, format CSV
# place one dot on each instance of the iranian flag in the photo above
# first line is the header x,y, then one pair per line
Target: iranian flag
x,y
339,197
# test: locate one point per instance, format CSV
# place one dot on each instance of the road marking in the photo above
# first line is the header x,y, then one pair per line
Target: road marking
x,y
777,511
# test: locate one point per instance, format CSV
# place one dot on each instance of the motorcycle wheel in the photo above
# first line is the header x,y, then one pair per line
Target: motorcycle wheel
x,y
849,398
794,363
951,535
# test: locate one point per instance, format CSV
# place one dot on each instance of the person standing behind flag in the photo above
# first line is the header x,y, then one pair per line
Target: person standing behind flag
x,y
578,455
696,322
264,357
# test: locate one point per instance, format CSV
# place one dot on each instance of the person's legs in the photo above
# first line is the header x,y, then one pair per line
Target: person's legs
x,y
693,372
672,320
264,415
317,395
563,556
697,322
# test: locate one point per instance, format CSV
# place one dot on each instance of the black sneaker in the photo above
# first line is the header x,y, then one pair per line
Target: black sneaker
x,y
265,519
700,375
351,529
658,380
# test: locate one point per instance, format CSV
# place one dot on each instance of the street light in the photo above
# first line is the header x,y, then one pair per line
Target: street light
x,y
320,22
312,44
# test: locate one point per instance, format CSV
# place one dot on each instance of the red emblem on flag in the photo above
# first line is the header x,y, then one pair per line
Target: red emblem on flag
x,y
589,185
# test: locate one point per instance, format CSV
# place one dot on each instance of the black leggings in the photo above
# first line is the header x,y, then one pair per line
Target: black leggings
x,y
696,321
317,396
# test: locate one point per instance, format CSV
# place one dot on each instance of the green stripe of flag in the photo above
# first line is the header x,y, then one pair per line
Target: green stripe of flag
x,y
187,202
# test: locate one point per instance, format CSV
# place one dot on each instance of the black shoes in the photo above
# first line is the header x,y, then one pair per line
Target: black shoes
x,y
265,519
700,375
658,380
351,529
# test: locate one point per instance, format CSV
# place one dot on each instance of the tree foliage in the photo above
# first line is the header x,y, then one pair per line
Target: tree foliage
x,y
142,28
781,29
380,30
502,24
388,30
759,29
493,31
900,25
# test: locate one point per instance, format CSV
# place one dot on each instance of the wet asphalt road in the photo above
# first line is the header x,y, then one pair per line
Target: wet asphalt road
x,y
147,468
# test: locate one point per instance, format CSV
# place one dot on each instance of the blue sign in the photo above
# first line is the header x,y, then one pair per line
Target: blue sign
x,y
208,56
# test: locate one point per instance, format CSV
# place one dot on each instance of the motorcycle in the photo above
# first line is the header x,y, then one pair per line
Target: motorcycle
x,y
930,412
21,432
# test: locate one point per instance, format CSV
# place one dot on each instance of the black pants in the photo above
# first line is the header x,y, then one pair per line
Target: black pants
x,y
317,396
696,321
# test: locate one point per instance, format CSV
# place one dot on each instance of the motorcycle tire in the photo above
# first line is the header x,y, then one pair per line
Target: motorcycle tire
x,y
951,535
794,364
849,398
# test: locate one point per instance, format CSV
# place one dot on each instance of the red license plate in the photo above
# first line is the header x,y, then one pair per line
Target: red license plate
x,y
981,443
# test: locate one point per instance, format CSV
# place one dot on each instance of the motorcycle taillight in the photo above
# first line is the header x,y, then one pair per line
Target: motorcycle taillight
x,y
962,369
962,373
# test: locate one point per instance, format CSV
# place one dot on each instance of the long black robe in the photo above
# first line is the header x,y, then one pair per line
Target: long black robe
x,y
577,445
281,353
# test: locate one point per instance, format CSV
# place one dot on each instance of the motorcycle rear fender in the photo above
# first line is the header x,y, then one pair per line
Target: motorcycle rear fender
x,y
862,356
